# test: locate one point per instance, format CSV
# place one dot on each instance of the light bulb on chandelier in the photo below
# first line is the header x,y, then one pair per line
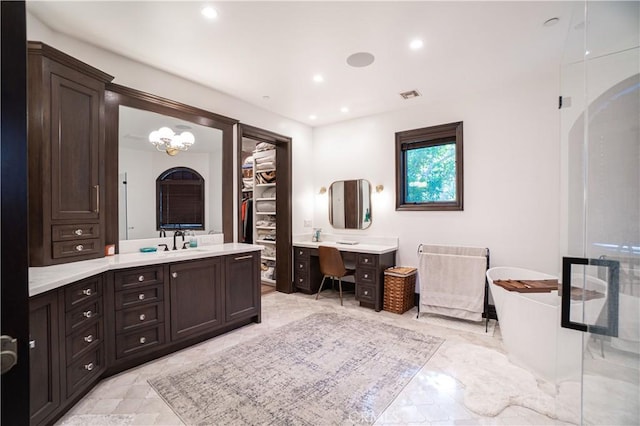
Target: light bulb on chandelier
x,y
165,139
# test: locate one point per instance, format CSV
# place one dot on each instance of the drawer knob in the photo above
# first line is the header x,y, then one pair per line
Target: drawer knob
x,y
366,292
89,366
366,260
32,344
141,278
78,232
79,247
174,275
300,252
143,340
300,266
88,338
300,279
366,275
141,296
142,317
87,292
87,314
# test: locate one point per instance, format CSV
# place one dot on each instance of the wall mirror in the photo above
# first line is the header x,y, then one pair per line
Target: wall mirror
x,y
350,204
140,164
134,164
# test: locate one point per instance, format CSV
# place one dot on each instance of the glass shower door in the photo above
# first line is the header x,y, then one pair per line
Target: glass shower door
x,y
601,207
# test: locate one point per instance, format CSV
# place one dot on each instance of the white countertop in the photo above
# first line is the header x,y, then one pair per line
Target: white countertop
x,y
360,247
42,279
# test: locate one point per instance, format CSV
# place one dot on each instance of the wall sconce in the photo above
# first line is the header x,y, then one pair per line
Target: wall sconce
x,y
322,190
379,188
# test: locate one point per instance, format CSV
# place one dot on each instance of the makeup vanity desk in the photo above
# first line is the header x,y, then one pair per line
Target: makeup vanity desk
x,y
368,259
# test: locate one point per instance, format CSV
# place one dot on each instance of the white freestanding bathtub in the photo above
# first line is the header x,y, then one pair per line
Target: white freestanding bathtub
x,y
530,326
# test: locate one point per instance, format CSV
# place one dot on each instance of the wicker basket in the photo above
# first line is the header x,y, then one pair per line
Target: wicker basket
x,y
399,289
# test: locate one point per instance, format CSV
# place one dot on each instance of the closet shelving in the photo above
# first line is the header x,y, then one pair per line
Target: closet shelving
x,y
264,197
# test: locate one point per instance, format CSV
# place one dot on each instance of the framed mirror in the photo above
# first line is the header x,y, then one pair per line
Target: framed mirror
x,y
131,158
350,204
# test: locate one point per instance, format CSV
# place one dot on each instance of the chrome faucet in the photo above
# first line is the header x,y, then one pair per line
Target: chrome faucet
x,y
175,234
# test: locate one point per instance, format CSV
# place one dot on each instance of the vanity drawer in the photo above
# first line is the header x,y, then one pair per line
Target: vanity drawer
x,y
138,277
366,276
85,290
301,280
139,296
83,341
83,315
301,253
138,317
365,293
301,266
365,259
75,232
84,370
139,341
77,248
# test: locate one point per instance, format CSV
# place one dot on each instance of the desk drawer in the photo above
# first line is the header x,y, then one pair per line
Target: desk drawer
x,y
365,259
365,293
139,296
301,280
301,253
138,277
138,317
301,266
73,248
138,341
366,276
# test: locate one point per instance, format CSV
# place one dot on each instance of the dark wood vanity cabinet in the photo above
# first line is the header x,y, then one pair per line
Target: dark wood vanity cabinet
x,y
66,150
67,354
242,294
139,311
196,297
44,358
306,270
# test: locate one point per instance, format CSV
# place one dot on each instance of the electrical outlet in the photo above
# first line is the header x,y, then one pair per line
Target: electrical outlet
x,y
307,224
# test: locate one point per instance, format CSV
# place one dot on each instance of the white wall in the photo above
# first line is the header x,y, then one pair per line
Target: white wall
x,y
511,174
136,75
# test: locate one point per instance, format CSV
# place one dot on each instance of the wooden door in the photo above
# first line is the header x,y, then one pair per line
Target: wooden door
x,y
242,286
75,144
13,251
196,297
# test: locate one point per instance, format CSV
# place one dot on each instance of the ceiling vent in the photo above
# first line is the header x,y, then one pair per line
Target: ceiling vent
x,y
410,94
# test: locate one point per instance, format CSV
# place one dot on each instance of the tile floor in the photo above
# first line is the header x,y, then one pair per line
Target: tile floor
x,y
433,397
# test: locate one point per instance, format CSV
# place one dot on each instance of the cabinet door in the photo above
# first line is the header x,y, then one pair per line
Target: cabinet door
x,y
44,360
242,286
75,146
196,297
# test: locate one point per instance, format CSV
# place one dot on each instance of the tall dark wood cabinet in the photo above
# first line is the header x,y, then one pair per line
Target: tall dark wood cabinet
x,y
196,297
66,157
44,356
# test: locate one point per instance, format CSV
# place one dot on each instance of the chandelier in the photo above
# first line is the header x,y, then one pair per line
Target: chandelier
x,y
165,139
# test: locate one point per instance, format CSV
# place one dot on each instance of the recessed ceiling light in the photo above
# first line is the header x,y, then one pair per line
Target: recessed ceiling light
x,y
410,94
209,12
318,78
312,117
360,59
551,22
344,109
416,44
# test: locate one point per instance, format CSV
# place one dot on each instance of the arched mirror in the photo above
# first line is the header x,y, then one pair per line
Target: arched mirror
x,y
350,204
132,159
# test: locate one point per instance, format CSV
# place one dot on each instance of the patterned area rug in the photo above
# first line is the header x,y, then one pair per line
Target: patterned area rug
x,y
324,369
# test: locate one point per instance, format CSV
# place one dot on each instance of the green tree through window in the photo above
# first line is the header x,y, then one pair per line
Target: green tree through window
x,y
429,168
